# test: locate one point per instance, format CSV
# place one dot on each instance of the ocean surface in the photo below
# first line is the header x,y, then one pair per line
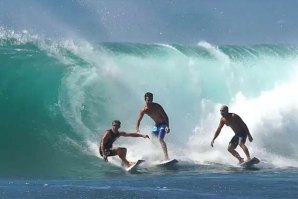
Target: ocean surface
x,y
58,96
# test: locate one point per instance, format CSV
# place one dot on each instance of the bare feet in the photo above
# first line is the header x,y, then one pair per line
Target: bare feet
x,y
130,164
241,160
127,165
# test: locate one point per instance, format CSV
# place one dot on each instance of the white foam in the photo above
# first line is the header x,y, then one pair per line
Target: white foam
x,y
271,119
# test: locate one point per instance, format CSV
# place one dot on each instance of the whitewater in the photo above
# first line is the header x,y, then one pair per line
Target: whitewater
x,y
57,97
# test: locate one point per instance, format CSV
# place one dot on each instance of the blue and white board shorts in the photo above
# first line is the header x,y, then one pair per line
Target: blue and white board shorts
x,y
159,130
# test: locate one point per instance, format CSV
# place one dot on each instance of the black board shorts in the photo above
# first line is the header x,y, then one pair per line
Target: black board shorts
x,y
238,139
108,152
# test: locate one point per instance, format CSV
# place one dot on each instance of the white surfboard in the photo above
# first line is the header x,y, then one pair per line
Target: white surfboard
x,y
251,162
167,162
134,166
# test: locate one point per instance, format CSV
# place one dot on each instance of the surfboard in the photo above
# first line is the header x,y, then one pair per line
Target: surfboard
x,y
251,162
167,162
134,166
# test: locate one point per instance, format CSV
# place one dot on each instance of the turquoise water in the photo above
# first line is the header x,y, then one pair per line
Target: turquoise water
x,y
58,96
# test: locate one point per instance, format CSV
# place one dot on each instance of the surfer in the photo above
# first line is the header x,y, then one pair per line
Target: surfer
x,y
159,116
240,129
109,137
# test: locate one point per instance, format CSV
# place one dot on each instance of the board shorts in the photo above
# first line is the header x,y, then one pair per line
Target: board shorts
x,y
238,138
159,130
108,152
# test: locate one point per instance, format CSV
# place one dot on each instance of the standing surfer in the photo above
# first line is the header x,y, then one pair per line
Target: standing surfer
x,y
240,129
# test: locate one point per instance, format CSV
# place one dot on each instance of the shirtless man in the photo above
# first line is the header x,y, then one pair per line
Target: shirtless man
x,y
240,129
159,116
109,137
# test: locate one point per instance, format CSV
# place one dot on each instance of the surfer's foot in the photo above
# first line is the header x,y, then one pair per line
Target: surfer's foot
x,y
130,164
241,160
248,159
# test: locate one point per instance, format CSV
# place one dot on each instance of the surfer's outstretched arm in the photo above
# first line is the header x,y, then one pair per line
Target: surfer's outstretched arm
x,y
140,117
124,134
217,132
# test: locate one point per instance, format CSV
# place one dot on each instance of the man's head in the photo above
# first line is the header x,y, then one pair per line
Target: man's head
x,y
116,124
224,110
148,97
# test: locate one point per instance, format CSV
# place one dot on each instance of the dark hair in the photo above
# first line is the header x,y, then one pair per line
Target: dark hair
x,y
116,122
225,108
148,94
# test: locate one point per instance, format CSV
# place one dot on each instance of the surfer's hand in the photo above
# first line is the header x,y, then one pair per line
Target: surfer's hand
x,y
146,136
167,129
212,142
250,138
